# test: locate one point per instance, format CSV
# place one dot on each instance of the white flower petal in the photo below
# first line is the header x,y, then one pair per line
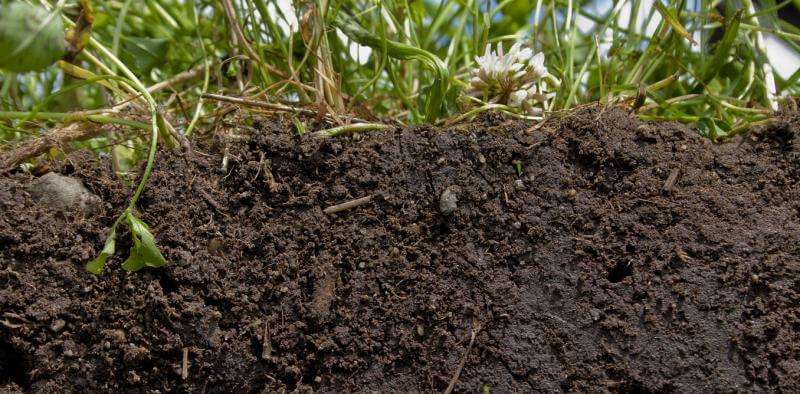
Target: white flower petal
x,y
525,55
517,98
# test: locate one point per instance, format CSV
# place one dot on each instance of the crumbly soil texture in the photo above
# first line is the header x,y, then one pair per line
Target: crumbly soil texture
x,y
593,252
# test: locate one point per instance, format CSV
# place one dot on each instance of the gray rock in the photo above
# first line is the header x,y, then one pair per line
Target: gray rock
x,y
63,193
448,201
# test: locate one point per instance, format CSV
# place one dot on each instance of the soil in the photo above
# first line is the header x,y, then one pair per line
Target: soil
x,y
594,252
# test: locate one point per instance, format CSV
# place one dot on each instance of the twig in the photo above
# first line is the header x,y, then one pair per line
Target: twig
x,y
185,364
473,333
74,131
266,351
348,205
54,138
187,75
671,180
271,106
258,104
350,128
210,200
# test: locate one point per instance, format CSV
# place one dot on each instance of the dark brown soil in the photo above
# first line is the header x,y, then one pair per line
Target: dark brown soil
x,y
568,257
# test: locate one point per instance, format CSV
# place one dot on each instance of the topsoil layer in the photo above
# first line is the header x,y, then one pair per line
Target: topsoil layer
x,y
594,253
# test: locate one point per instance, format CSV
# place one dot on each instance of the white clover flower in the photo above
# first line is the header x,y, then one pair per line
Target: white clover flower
x,y
521,96
537,68
514,78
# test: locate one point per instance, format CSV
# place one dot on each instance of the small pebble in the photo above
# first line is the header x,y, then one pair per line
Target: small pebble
x,y
119,336
57,325
516,225
519,184
362,265
572,193
448,201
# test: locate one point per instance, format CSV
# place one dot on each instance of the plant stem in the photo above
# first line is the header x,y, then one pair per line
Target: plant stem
x,y
72,117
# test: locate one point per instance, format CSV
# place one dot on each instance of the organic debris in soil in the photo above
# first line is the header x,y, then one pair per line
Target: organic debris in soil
x,y
595,251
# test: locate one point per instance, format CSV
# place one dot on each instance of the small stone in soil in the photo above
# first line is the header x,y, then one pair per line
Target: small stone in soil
x,y
571,194
57,325
63,193
448,201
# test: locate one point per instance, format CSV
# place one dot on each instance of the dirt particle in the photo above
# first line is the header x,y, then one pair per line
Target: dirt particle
x,y
216,245
69,349
323,294
118,336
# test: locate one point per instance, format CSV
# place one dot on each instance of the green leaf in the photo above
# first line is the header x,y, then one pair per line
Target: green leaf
x,y
144,53
722,50
713,128
96,266
299,127
144,252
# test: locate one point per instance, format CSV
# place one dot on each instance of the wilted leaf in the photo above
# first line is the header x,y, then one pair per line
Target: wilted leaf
x,y
96,266
144,252
673,21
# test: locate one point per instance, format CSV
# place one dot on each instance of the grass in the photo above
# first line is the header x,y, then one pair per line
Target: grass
x,y
169,67
420,55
